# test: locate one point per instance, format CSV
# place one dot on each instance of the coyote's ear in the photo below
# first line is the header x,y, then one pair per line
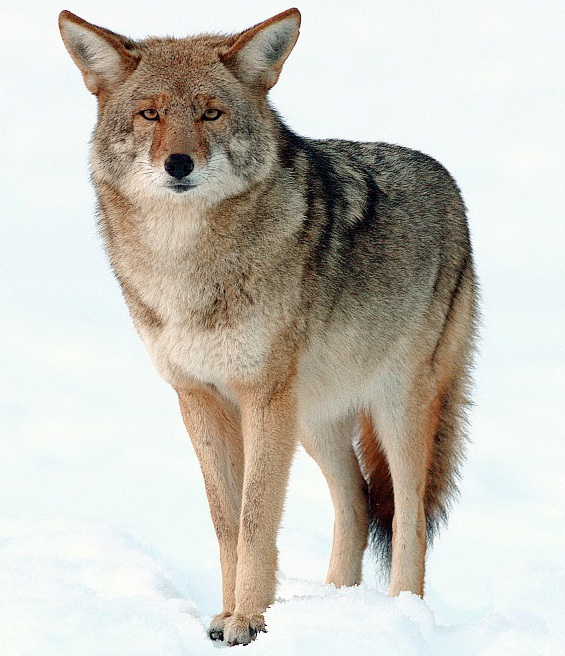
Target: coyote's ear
x,y
258,54
104,58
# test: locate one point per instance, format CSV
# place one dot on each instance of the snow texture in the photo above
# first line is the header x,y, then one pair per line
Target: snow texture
x,y
72,588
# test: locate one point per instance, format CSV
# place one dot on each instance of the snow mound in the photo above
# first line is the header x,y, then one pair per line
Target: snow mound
x,y
88,589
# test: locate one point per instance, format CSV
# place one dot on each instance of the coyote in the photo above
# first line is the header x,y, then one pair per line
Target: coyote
x,y
291,290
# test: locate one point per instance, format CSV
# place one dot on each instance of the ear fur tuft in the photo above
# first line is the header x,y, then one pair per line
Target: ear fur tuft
x,y
258,54
104,58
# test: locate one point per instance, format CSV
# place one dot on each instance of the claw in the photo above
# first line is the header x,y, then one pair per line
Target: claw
x,y
243,629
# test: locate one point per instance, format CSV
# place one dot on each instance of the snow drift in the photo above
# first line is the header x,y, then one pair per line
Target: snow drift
x,y
71,588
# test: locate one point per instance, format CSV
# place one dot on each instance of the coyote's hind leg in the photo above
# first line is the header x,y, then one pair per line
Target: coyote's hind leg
x,y
407,424
331,446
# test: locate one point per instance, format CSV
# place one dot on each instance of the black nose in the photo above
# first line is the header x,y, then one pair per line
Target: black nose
x,y
178,165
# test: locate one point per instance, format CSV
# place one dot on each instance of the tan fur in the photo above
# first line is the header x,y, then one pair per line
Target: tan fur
x,y
214,428
289,290
330,447
269,430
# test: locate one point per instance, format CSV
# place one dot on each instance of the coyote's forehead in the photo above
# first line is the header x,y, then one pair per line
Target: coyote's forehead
x,y
185,65
192,51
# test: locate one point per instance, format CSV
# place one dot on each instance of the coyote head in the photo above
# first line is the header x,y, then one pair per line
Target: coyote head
x,y
185,118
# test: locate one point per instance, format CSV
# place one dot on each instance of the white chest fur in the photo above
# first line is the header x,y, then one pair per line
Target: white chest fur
x,y
180,352
204,334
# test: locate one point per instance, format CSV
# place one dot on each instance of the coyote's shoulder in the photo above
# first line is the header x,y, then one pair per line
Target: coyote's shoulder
x,y
290,290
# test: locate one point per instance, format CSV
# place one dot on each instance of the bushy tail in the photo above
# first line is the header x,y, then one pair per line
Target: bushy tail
x,y
381,497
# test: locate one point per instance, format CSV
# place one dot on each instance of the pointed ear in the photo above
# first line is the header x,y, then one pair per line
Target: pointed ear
x,y
104,58
258,54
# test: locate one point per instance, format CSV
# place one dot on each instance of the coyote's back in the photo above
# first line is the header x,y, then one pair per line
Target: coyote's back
x,y
290,290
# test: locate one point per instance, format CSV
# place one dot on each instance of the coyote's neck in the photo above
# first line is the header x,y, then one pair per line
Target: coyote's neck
x,y
186,260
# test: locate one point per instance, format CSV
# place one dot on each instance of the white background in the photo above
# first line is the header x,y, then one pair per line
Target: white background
x,y
91,441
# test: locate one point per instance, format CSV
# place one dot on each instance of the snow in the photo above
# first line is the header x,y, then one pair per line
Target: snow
x,y
106,544
89,589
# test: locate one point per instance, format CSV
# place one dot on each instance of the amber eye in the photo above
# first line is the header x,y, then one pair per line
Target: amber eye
x,y
150,114
211,115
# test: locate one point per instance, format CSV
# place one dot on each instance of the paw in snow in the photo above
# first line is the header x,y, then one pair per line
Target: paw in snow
x,y
216,628
242,629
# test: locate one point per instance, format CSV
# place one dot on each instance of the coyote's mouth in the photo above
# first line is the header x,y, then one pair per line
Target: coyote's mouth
x,y
181,188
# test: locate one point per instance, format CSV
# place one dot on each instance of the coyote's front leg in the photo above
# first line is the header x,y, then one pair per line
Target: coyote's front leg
x,y
215,431
268,425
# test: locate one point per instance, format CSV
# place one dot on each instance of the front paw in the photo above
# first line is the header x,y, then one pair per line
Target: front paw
x,y
242,629
216,628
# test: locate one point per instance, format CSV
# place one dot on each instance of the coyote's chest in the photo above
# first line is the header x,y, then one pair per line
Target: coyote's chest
x,y
183,350
209,326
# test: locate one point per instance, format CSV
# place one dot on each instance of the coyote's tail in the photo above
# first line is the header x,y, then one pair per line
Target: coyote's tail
x,y
443,475
381,496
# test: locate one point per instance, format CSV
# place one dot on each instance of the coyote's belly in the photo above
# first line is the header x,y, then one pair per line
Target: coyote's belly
x,y
342,372
336,372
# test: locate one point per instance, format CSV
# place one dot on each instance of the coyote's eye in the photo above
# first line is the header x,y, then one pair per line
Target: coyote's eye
x,y
211,115
150,114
